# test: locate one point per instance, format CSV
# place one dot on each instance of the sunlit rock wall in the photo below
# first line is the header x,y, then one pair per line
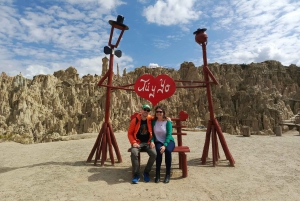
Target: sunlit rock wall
x,y
48,107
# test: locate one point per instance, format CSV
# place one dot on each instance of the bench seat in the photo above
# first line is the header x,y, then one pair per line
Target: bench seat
x,y
179,133
181,150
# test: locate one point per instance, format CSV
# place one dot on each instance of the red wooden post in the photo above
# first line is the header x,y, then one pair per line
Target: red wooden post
x,y
206,144
213,141
213,128
106,138
182,117
179,137
184,166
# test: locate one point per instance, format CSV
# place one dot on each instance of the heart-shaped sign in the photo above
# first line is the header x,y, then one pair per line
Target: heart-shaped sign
x,y
154,89
183,115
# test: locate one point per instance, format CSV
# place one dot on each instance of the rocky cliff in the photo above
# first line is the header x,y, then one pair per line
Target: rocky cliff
x,y
49,107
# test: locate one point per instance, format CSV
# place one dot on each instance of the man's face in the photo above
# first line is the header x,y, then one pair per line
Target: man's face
x,y
145,112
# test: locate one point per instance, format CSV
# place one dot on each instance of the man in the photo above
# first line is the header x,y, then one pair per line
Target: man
x,y
139,135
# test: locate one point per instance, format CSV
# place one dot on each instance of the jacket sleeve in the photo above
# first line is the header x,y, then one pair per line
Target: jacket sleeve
x,y
169,136
153,134
131,130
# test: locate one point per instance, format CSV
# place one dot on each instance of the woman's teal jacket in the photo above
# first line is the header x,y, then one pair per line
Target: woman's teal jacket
x,y
169,136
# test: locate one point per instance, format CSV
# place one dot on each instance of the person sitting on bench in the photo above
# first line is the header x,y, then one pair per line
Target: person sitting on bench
x,y
164,142
139,135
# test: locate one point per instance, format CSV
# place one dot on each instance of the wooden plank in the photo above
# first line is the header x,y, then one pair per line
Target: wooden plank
x,y
179,133
176,149
179,126
181,149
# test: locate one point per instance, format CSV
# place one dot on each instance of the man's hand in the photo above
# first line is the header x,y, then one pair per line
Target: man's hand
x,y
152,145
136,145
162,149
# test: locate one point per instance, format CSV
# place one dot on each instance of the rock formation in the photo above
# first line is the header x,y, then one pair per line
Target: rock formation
x,y
49,107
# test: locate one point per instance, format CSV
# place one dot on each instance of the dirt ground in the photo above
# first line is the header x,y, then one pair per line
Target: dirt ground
x,y
266,168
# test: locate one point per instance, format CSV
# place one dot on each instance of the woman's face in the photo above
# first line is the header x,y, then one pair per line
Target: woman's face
x,y
159,113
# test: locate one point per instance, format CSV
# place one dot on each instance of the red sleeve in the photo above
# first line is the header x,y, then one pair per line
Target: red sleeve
x,y
131,130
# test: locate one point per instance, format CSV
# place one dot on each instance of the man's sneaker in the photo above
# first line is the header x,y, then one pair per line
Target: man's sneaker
x,y
136,179
146,176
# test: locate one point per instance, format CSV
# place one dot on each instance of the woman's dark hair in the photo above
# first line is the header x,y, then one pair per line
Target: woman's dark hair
x,y
164,112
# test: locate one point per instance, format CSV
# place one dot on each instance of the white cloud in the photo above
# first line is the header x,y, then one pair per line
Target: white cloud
x,y
255,31
161,44
143,1
42,28
171,12
6,2
33,70
73,32
175,37
84,66
111,4
94,65
8,21
268,51
70,14
40,40
89,65
124,62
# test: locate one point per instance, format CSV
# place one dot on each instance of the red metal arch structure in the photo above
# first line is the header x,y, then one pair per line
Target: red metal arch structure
x,y
106,139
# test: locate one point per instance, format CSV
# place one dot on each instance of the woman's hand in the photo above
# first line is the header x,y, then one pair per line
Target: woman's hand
x,y
162,149
152,145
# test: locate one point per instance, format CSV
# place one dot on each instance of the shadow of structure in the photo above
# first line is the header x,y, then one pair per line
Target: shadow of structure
x,y
209,162
78,163
115,175
111,175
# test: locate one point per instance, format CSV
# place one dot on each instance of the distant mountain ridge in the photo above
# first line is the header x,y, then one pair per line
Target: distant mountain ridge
x,y
50,107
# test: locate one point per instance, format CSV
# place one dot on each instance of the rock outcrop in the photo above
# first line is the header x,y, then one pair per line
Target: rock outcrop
x,y
48,107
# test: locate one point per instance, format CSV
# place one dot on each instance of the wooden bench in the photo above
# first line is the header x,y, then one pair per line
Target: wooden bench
x,y
182,158
180,149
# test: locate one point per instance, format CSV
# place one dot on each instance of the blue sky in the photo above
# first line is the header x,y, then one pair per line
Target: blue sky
x,y
44,36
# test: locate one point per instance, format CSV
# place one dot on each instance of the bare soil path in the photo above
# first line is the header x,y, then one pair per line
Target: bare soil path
x,y
267,168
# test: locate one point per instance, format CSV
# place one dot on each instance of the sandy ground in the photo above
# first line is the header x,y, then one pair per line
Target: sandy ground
x,y
266,168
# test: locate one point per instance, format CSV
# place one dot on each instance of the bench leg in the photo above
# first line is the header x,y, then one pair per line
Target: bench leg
x,y
184,165
180,160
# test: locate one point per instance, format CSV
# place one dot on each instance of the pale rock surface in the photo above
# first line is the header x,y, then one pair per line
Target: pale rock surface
x,y
50,107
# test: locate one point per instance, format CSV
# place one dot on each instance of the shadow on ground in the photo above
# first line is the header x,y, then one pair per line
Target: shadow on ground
x,y
108,173
115,175
78,163
111,175
209,163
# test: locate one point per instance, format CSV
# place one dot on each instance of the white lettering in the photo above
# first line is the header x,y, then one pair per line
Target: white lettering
x,y
153,90
167,88
144,87
162,84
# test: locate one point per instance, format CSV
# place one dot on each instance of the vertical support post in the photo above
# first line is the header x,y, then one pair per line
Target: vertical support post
x,y
179,140
213,127
206,144
106,139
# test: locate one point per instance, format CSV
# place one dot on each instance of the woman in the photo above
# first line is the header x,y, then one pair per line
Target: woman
x,y
164,142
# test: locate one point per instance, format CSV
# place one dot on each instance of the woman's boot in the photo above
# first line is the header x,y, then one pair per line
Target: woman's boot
x,y
157,178
167,178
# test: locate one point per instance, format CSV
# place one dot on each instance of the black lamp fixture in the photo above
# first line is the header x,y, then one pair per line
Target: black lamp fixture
x,y
118,25
108,50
